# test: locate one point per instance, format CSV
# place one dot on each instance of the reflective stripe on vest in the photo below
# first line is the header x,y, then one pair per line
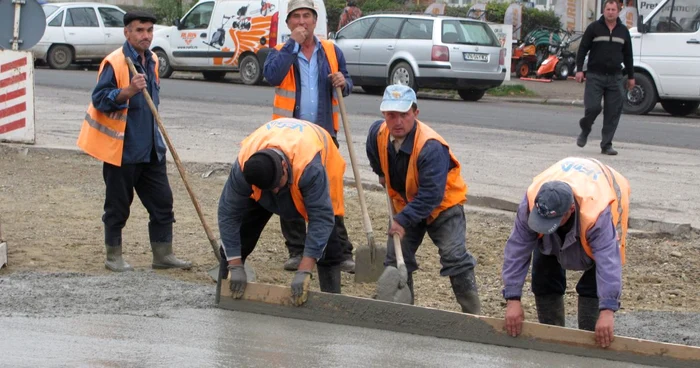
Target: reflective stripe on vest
x,y
596,187
455,187
285,93
102,134
300,141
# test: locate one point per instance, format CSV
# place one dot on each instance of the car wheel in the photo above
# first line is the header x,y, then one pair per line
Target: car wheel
x,y
403,74
642,98
216,76
522,69
374,90
250,70
680,107
561,71
164,68
60,57
471,94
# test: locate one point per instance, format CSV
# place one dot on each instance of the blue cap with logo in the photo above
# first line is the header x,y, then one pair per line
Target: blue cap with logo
x,y
398,97
553,201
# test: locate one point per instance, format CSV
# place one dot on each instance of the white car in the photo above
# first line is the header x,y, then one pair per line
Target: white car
x,y
79,31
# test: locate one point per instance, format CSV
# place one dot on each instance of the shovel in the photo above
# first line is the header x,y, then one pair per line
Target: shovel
x,y
210,235
369,260
393,284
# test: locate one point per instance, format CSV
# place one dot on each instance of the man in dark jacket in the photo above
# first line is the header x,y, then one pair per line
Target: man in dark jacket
x,y
610,45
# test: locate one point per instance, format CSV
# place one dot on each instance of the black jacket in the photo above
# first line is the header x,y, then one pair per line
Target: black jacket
x,y
608,49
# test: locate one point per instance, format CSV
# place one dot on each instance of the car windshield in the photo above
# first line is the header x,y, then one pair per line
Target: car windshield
x,y
466,32
49,9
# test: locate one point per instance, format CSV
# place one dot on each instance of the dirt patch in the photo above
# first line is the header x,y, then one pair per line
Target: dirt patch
x,y
51,205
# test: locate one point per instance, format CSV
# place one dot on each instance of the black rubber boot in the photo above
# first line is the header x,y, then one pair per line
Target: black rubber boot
x,y
466,292
163,257
114,261
587,313
550,309
329,279
409,282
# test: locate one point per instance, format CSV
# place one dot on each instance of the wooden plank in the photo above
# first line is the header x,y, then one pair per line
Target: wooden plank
x,y
3,254
362,312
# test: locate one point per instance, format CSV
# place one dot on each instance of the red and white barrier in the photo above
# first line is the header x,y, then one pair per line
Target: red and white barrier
x,y
17,96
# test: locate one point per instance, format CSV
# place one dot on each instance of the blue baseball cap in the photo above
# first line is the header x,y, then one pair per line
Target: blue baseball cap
x,y
398,97
553,201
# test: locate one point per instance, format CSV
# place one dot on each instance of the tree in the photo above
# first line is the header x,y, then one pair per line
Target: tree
x,y
168,10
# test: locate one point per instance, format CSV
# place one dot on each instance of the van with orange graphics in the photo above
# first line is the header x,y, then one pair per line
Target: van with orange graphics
x,y
220,36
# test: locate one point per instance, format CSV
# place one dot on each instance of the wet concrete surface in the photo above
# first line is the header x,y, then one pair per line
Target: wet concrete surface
x,y
143,319
217,338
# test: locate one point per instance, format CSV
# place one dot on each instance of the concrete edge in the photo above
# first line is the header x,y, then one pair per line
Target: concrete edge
x,y
647,225
430,95
403,318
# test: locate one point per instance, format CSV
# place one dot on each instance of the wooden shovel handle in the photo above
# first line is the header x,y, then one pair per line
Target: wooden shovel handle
x,y
397,238
366,222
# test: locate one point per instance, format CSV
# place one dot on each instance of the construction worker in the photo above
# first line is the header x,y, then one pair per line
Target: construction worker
x,y
289,167
423,179
120,130
573,217
305,72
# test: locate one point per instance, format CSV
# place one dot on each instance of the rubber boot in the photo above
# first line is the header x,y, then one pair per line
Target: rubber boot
x,y
114,261
409,282
550,309
466,292
329,279
292,264
163,257
587,313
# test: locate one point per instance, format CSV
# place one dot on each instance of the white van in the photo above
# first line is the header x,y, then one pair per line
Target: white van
x,y
666,58
219,36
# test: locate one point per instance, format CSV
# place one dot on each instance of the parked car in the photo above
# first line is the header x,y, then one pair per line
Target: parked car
x,y
79,31
422,51
216,37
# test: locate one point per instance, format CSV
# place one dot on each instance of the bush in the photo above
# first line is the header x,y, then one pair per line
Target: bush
x,y
532,18
165,10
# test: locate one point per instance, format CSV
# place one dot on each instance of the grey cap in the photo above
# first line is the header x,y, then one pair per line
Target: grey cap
x,y
553,201
301,4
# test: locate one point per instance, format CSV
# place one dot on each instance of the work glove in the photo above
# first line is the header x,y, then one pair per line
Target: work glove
x,y
300,287
238,280
403,276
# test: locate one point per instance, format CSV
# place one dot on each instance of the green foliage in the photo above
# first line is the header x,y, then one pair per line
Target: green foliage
x,y
533,18
511,90
166,10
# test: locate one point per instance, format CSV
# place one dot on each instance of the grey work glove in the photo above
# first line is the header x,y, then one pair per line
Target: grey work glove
x,y
300,287
238,280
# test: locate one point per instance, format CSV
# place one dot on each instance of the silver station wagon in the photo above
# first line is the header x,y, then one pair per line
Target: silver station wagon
x,y
422,51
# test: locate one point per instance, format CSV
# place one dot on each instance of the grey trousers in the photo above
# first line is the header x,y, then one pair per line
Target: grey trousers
x,y
609,88
448,233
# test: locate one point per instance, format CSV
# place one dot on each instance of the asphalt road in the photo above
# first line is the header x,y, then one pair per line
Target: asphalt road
x,y
658,130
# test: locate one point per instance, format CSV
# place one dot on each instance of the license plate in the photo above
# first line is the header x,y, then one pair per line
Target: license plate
x,y
472,56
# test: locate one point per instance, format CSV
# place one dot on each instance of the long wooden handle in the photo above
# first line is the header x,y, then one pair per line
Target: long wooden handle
x,y
396,237
210,235
366,222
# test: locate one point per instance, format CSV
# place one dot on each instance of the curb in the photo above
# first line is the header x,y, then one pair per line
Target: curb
x,y
646,225
429,95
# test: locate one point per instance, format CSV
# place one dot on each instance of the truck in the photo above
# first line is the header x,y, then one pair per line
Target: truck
x,y
666,47
215,37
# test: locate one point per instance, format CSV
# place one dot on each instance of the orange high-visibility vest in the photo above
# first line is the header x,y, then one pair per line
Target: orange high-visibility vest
x,y
102,134
596,186
285,93
455,187
300,141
